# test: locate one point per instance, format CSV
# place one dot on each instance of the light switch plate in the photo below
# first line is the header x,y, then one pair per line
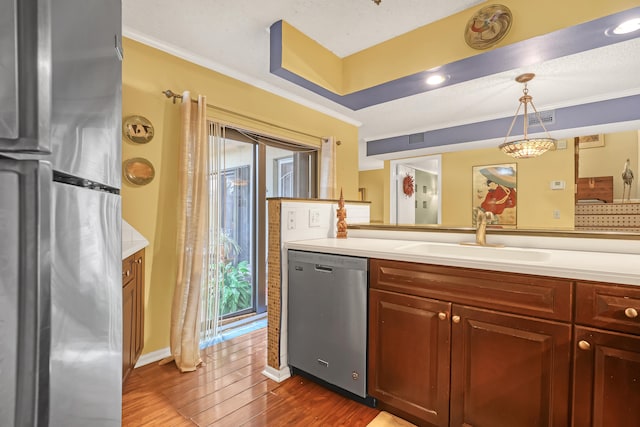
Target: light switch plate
x,y
314,218
291,220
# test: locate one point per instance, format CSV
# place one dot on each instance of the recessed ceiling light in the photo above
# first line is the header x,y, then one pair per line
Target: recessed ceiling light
x,y
435,79
627,26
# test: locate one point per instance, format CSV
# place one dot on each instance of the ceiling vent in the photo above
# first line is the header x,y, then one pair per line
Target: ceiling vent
x,y
416,138
546,117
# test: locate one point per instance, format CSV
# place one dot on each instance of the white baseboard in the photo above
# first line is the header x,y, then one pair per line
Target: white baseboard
x,y
278,375
154,356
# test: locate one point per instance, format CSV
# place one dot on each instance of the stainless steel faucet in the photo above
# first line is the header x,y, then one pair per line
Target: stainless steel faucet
x,y
481,226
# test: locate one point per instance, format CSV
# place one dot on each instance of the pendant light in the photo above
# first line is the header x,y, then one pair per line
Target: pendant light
x,y
527,147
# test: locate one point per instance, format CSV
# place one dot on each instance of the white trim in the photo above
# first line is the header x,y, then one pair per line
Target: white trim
x,y
154,356
217,67
278,375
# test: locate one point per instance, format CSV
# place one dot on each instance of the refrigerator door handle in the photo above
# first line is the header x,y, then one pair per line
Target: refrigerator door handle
x,y
25,292
25,128
118,47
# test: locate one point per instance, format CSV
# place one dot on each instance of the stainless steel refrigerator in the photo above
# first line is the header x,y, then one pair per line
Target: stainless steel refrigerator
x,y
60,237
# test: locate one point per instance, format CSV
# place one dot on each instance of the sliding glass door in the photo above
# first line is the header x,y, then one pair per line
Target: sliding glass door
x,y
245,169
237,221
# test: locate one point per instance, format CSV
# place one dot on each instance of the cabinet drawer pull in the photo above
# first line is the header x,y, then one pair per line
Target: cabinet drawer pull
x,y
584,345
631,313
442,315
127,273
456,319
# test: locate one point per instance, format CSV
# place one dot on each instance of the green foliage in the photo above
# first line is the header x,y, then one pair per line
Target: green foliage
x,y
234,279
236,287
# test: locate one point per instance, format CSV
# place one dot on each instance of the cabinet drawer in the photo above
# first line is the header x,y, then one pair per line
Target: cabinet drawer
x,y
128,270
525,294
608,306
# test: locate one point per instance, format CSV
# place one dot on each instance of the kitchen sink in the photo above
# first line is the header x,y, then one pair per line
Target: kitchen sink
x,y
472,251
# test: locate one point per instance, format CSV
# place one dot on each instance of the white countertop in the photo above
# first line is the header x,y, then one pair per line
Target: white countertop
x,y
132,240
597,266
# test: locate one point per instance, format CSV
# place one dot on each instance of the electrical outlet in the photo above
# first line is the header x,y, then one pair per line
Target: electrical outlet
x,y
556,214
314,218
291,220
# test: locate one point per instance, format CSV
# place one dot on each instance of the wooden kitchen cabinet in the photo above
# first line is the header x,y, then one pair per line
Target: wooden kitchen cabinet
x,y
508,370
464,347
606,369
128,316
409,354
132,311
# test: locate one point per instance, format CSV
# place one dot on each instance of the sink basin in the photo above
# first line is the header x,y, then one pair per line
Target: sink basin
x,y
504,254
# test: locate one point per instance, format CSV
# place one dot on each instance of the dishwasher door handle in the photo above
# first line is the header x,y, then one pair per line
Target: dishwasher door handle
x,y
324,268
323,363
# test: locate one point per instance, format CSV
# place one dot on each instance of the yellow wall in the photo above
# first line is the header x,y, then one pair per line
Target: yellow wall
x,y
306,57
373,182
536,201
151,209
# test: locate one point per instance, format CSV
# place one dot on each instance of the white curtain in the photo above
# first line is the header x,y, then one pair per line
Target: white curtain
x,y
212,288
193,235
328,182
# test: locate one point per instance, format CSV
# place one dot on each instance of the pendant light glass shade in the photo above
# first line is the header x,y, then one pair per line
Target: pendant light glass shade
x,y
527,147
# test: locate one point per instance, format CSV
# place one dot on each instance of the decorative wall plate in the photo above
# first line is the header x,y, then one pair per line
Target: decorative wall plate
x,y
137,129
408,186
488,26
138,171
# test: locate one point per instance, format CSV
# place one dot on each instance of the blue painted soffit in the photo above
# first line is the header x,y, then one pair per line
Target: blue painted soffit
x,y
616,110
567,41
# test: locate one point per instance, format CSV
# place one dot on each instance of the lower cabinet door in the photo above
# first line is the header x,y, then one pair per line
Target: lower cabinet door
x,y
409,353
606,385
128,320
138,324
508,370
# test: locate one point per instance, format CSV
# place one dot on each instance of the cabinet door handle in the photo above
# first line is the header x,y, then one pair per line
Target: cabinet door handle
x,y
584,345
442,315
139,260
631,313
455,319
128,273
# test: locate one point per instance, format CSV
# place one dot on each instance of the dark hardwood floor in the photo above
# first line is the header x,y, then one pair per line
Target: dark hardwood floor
x,y
230,390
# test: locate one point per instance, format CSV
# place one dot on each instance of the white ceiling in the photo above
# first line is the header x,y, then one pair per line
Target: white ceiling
x,y
231,36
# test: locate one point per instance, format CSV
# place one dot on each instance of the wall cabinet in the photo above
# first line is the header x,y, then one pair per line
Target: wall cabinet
x,y
464,347
132,311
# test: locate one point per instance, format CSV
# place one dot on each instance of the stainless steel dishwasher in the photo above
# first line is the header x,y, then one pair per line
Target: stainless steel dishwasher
x,y
327,320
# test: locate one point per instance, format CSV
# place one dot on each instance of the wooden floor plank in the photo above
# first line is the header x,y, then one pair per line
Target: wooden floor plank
x,y
180,397
224,408
211,376
220,395
229,389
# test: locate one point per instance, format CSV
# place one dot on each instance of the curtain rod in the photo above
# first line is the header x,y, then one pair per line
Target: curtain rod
x,y
171,94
